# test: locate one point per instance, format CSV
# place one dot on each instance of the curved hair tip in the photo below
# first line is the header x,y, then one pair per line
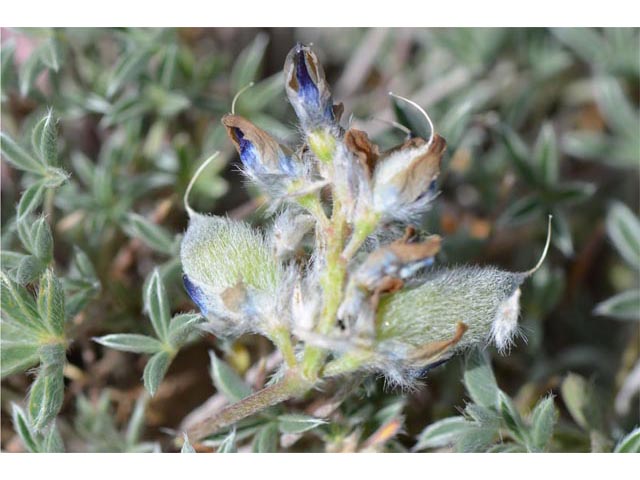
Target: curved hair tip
x,y
528,273
422,111
187,207
237,95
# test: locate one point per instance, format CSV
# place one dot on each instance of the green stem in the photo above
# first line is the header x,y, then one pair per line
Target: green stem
x,y
364,227
332,283
282,340
347,363
292,385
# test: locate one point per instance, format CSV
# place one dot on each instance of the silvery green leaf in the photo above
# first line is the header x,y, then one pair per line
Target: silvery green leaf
x,y
50,54
263,94
153,235
587,43
19,306
52,355
22,426
569,193
578,396
18,157
508,447
42,241
155,371
186,446
16,357
625,306
543,419
298,423
623,228
561,233
44,139
475,439
51,303
479,379
227,381
131,342
630,443
266,440
136,422
10,260
52,442
29,72
588,145
228,444
46,396
519,154
157,305
181,327
482,415
247,65
511,417
168,68
30,200
521,211
546,155
441,433
29,269
616,107
127,68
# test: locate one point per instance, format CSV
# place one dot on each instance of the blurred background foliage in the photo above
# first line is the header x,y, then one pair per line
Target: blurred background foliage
x,y
114,122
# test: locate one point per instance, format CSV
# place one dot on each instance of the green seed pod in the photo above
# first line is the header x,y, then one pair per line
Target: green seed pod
x,y
452,310
229,272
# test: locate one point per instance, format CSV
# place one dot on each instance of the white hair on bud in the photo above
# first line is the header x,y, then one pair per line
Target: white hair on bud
x,y
220,252
505,324
288,230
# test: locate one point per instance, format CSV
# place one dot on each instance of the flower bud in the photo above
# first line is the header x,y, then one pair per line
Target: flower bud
x,y
307,89
230,273
404,179
266,162
288,231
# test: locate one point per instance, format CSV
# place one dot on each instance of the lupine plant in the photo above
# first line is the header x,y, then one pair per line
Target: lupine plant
x,y
344,300
343,283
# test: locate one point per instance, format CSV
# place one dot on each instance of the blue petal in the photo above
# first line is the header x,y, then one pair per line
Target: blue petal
x,y
308,90
196,294
248,152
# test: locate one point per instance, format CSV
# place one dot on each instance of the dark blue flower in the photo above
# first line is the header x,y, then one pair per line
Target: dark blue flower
x,y
307,89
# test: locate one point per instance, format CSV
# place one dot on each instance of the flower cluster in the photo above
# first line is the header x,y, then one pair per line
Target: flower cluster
x,y
335,284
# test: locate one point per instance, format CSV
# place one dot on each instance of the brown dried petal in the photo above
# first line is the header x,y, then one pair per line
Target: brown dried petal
x,y
358,143
267,147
